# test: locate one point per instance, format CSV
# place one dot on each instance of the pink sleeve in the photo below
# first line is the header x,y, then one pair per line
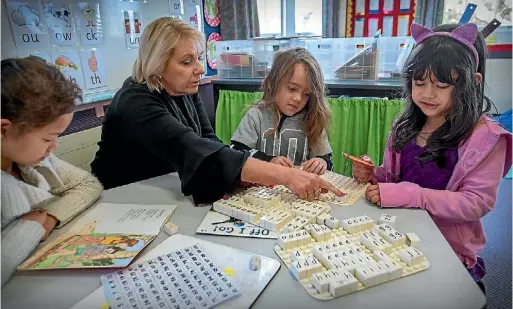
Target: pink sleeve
x,y
381,174
475,197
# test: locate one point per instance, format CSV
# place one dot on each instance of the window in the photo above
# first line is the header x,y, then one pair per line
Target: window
x,y
290,17
308,17
269,17
392,18
486,11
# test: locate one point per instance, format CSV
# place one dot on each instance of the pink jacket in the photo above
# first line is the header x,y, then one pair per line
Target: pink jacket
x,y
484,159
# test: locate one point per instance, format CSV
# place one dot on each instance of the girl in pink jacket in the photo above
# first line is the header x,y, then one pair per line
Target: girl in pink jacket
x,y
443,154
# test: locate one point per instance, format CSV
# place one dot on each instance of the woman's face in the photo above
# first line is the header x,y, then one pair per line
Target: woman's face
x,y
184,70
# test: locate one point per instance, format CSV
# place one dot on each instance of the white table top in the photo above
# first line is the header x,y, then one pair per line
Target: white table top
x,y
446,284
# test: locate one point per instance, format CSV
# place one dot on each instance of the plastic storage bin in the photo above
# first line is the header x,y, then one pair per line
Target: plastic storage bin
x,y
264,51
234,59
392,55
355,58
322,50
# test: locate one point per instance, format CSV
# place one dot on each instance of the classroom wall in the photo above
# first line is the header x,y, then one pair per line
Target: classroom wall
x,y
118,60
498,83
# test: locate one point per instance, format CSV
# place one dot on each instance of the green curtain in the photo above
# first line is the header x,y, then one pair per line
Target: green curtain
x,y
358,126
231,107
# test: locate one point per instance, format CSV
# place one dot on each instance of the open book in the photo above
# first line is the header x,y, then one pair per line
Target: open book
x,y
109,236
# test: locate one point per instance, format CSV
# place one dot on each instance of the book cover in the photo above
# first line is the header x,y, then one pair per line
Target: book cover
x,y
108,236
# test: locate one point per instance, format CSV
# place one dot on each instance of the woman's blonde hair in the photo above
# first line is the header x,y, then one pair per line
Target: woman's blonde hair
x,y
318,113
157,43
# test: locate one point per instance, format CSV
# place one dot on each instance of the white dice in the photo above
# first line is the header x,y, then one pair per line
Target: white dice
x,y
412,240
343,285
387,219
320,283
299,270
332,222
305,268
410,256
322,218
354,225
296,255
320,232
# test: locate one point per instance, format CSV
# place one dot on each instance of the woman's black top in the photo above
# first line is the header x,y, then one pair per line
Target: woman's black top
x,y
147,134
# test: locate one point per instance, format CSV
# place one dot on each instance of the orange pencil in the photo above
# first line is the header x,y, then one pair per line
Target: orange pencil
x,y
358,160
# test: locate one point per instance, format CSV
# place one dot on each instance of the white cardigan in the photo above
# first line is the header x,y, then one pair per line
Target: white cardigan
x,y
59,187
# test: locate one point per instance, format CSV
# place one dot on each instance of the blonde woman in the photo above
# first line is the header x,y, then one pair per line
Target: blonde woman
x,y
288,127
156,125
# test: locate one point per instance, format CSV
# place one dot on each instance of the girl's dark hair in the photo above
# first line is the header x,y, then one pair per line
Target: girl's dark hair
x,y
34,93
442,56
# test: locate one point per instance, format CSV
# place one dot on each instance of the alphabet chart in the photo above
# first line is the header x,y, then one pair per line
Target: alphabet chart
x,y
332,258
186,278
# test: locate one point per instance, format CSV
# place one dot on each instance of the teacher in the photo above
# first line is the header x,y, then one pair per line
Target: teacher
x,y
156,125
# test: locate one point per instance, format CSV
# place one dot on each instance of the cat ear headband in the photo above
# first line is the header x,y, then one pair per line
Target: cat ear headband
x,y
465,34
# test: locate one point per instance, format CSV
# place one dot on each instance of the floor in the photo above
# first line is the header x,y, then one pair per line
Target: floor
x,y
497,253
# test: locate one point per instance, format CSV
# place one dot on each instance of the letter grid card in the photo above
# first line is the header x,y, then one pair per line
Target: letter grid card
x,y
186,278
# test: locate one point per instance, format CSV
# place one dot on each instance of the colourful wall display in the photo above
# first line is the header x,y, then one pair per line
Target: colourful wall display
x,y
393,17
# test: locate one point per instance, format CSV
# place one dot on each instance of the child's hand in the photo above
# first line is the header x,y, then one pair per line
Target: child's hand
x,y
372,194
283,161
49,225
38,216
361,172
315,165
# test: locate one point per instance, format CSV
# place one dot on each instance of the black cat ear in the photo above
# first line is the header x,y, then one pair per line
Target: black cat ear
x,y
494,24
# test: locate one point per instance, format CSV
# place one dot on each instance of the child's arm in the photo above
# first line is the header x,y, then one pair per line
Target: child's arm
x,y
329,161
474,198
246,137
326,152
382,174
19,239
77,189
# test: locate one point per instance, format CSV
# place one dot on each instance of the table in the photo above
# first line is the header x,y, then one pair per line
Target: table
x,y
446,284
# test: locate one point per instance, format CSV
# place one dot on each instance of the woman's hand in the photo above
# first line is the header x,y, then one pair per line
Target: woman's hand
x,y
315,165
283,161
363,173
372,194
306,185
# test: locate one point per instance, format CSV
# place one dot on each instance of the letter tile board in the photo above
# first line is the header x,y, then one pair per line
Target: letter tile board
x,y
186,278
333,262
351,188
276,208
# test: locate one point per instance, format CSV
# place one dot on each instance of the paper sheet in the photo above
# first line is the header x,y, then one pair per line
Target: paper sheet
x,y
124,219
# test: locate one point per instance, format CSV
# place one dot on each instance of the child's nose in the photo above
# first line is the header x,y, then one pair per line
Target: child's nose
x,y
430,91
53,147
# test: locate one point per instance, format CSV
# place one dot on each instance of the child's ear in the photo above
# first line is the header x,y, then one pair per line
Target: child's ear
x,y
6,125
479,78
